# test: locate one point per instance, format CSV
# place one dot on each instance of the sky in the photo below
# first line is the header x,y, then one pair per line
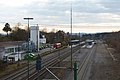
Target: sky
x,y
89,16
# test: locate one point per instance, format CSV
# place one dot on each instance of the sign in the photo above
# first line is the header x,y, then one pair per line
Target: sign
x,y
29,56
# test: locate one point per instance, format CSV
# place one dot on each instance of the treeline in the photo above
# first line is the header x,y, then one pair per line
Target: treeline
x,y
113,40
15,33
59,36
18,34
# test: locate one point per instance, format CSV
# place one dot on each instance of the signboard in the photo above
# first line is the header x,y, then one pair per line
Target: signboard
x,y
29,56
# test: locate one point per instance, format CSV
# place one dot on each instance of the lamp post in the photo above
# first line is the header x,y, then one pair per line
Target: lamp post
x,y
28,42
28,28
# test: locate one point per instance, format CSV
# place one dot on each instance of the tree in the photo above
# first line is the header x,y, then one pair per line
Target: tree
x,y
44,30
62,37
7,28
19,34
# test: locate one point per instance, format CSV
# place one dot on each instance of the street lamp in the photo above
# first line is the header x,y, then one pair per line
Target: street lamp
x,y
28,41
28,27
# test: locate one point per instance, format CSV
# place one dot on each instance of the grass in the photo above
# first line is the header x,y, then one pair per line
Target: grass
x,y
11,68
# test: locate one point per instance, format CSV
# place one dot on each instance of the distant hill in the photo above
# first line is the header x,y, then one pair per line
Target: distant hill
x,y
78,34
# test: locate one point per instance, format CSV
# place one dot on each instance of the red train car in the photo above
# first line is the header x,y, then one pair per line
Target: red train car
x,y
57,45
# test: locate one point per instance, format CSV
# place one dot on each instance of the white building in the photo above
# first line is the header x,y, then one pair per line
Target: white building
x,y
15,56
36,38
12,51
34,35
42,41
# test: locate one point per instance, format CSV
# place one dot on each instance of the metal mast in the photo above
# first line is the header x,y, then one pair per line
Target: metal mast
x,y
71,34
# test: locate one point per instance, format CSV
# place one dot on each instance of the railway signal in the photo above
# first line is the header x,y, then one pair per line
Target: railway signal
x,y
38,63
75,71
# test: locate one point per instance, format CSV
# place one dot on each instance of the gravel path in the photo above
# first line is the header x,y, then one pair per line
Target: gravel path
x,y
104,67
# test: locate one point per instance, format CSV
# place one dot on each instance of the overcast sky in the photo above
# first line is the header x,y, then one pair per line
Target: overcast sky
x,y
88,15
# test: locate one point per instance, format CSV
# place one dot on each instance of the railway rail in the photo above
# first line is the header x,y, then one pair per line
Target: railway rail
x,y
34,76
86,63
22,74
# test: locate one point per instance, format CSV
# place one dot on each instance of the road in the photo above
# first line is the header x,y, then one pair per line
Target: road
x,y
104,67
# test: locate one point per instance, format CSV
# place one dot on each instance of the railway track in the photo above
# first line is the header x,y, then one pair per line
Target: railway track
x,y
34,76
86,63
16,75
22,74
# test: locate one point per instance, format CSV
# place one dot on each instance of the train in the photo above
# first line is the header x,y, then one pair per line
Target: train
x,y
56,45
89,43
85,44
74,43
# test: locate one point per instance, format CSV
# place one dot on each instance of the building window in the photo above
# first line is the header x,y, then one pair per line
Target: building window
x,y
9,50
16,49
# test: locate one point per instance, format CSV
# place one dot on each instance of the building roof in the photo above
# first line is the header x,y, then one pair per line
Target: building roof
x,y
11,43
74,41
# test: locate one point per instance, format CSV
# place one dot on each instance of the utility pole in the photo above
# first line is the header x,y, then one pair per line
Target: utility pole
x,y
58,38
18,55
59,57
79,42
28,41
71,36
37,38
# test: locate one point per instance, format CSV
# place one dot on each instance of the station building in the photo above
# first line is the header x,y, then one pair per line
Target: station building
x,y
14,50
